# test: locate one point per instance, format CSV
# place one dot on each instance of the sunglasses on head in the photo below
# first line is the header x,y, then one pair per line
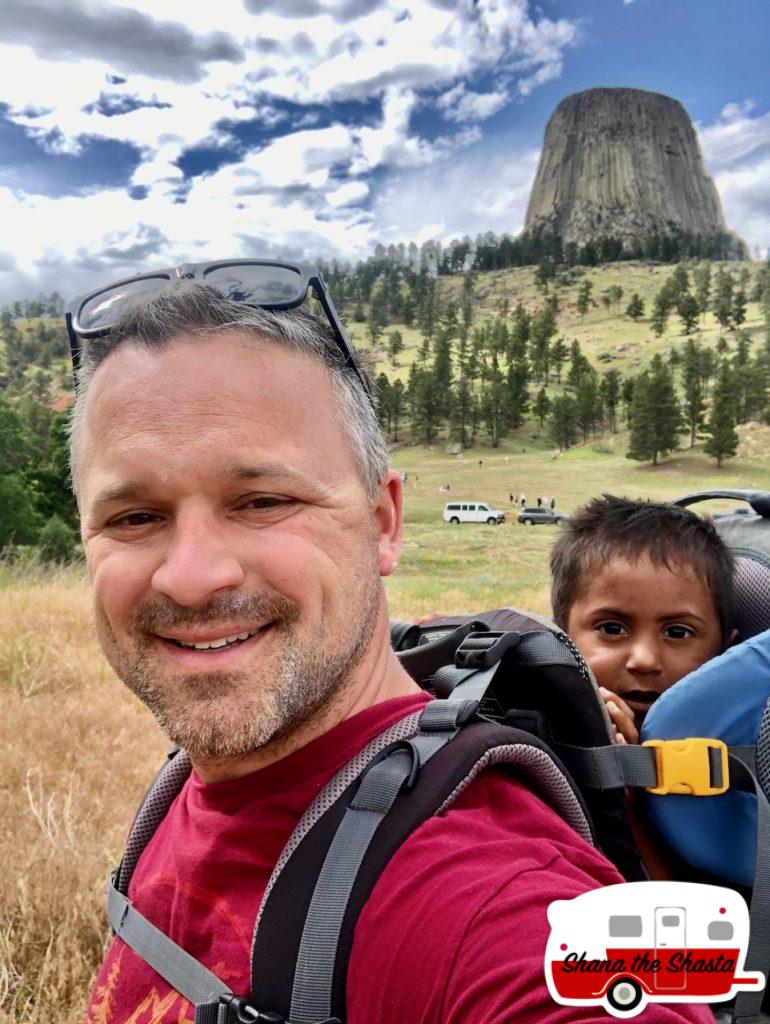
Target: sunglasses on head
x,y
260,283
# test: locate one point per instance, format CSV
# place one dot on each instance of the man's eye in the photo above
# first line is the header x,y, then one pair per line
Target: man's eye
x,y
612,628
679,632
134,519
267,501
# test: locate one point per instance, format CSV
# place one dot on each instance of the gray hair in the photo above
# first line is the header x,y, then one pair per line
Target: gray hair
x,y
192,308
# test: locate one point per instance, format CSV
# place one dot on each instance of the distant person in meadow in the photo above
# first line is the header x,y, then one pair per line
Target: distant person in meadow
x,y
238,517
645,590
553,503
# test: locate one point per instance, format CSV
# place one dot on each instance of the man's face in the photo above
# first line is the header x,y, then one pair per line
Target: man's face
x,y
222,508
642,627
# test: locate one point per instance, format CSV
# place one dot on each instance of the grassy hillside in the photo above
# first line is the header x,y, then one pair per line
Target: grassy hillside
x,y
610,339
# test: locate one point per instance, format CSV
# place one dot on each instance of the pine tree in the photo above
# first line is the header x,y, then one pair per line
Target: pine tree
x,y
655,416
687,307
615,294
517,379
460,411
692,385
519,335
660,311
397,398
588,402
739,307
377,318
542,406
723,298
584,296
542,330
722,442
558,356
494,403
564,421
702,277
395,346
635,308
610,394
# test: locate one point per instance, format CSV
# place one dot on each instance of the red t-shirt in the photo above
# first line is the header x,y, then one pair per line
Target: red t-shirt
x,y
454,931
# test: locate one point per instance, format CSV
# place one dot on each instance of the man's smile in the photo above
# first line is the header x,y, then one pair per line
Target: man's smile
x,y
202,648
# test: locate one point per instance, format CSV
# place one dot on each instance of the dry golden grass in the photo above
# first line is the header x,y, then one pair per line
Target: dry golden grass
x,y
79,750
65,790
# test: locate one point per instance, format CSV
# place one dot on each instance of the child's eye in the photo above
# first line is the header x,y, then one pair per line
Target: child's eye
x,y
612,628
679,632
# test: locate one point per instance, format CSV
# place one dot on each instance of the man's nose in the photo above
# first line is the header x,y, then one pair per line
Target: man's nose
x,y
197,562
644,655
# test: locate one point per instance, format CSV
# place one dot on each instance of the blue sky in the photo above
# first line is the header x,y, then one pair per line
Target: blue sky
x,y
157,131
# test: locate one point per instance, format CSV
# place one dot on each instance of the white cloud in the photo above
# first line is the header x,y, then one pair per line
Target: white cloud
x,y
312,183
461,104
736,152
460,196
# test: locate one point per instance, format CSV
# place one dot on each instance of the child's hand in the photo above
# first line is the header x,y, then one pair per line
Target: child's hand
x,y
621,716
422,620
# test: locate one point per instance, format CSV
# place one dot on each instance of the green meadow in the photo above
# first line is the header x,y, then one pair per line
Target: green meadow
x,y
474,566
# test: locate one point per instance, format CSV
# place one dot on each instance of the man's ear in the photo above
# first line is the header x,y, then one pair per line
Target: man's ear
x,y
388,521
732,638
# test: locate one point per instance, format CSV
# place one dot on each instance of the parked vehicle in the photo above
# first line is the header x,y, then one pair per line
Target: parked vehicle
x,y
532,516
472,512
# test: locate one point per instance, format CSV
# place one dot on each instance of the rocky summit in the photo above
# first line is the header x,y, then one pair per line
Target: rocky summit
x,y
624,164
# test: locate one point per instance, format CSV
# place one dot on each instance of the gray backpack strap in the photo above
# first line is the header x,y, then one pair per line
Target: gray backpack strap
x,y
748,1004
384,780
209,995
619,765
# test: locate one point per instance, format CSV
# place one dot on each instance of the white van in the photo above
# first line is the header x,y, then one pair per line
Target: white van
x,y
472,512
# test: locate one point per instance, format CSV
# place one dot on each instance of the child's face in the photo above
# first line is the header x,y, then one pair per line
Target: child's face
x,y
642,627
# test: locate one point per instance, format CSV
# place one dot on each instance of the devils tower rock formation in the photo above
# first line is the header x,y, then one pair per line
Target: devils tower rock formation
x,y
625,164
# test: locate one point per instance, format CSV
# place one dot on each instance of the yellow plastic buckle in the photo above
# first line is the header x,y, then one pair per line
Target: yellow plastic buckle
x,y
684,766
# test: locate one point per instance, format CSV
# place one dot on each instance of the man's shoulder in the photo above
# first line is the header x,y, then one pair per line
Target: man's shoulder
x,y
500,822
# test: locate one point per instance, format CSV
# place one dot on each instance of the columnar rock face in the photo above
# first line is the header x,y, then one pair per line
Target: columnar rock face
x,y
625,164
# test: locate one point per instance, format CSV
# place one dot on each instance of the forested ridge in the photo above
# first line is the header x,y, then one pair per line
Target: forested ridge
x,y
470,344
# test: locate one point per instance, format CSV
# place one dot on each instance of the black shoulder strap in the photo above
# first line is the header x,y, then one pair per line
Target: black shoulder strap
x,y
305,932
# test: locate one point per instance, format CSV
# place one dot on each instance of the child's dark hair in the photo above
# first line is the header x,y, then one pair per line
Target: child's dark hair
x,y
612,527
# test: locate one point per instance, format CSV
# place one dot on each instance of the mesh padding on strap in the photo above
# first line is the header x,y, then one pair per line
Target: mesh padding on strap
x,y
540,770
153,809
763,751
752,593
332,791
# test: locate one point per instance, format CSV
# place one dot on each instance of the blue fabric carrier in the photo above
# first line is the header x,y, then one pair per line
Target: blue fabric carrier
x,y
725,698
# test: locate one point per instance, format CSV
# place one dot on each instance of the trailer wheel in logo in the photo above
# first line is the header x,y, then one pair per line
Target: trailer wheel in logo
x,y
624,994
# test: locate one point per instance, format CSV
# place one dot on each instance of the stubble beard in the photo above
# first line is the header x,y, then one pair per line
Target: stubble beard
x,y
222,715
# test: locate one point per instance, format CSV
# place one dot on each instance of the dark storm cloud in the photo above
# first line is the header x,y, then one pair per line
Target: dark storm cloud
x,y
128,40
342,10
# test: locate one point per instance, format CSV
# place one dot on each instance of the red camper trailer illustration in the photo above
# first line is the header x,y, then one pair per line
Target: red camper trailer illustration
x,y
627,945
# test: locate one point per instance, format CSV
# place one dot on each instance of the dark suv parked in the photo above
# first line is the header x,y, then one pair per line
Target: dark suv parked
x,y
532,516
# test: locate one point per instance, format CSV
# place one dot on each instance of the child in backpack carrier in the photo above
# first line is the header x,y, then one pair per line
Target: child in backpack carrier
x,y
645,590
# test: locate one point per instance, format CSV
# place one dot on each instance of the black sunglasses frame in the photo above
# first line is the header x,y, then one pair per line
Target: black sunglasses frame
x,y
310,280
